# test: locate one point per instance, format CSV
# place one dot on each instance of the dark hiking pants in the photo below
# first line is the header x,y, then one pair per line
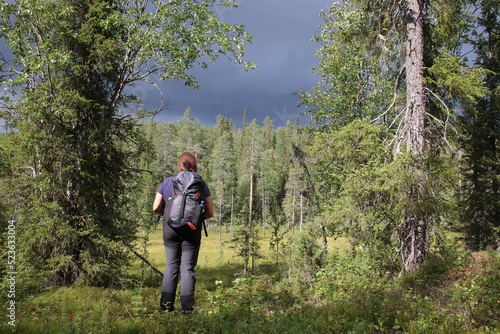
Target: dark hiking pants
x,y
181,253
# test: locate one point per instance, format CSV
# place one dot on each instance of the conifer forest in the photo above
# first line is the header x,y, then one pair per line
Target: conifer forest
x,y
381,214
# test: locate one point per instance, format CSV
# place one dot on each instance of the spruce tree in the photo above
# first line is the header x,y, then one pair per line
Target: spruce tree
x,y
480,121
222,166
404,72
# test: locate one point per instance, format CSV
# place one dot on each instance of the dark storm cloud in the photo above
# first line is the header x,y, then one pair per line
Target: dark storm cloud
x,y
284,53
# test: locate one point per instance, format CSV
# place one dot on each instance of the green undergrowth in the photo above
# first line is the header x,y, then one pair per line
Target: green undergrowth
x,y
457,293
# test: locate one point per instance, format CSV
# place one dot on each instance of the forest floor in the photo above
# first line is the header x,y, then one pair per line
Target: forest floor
x,y
462,299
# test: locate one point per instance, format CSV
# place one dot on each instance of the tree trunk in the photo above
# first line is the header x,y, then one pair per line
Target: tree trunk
x,y
413,235
221,200
250,214
413,122
413,243
293,210
263,201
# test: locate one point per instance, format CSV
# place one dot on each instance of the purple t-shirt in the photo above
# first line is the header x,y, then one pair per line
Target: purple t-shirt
x,y
166,188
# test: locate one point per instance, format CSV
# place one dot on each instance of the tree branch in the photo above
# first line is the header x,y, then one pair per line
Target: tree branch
x,y
446,122
395,95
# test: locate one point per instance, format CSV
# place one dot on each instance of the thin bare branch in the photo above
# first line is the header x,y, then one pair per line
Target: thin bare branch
x,y
395,95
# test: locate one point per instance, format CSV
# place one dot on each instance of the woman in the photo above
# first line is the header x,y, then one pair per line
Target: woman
x,y
181,246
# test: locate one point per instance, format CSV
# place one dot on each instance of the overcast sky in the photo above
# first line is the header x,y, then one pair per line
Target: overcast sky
x,y
284,53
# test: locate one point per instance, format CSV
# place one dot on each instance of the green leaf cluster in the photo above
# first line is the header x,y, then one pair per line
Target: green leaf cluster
x,y
79,149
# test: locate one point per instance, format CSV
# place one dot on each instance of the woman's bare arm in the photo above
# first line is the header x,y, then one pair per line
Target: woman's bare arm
x,y
209,208
158,203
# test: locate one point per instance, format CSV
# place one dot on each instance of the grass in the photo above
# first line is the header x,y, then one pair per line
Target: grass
x,y
348,296
218,259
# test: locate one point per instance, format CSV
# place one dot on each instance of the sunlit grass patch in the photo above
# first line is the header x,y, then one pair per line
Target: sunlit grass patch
x,y
218,259
217,249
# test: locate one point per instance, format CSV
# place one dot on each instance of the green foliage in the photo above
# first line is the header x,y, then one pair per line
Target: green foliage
x,y
456,80
222,170
69,137
307,256
167,152
357,67
68,109
351,293
277,239
366,198
379,81
347,176
479,123
246,243
477,289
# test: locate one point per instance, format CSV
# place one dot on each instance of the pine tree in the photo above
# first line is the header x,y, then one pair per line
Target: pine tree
x,y
189,135
246,239
269,181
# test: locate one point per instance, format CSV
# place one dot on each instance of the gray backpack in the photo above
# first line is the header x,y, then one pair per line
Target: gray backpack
x,y
184,210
